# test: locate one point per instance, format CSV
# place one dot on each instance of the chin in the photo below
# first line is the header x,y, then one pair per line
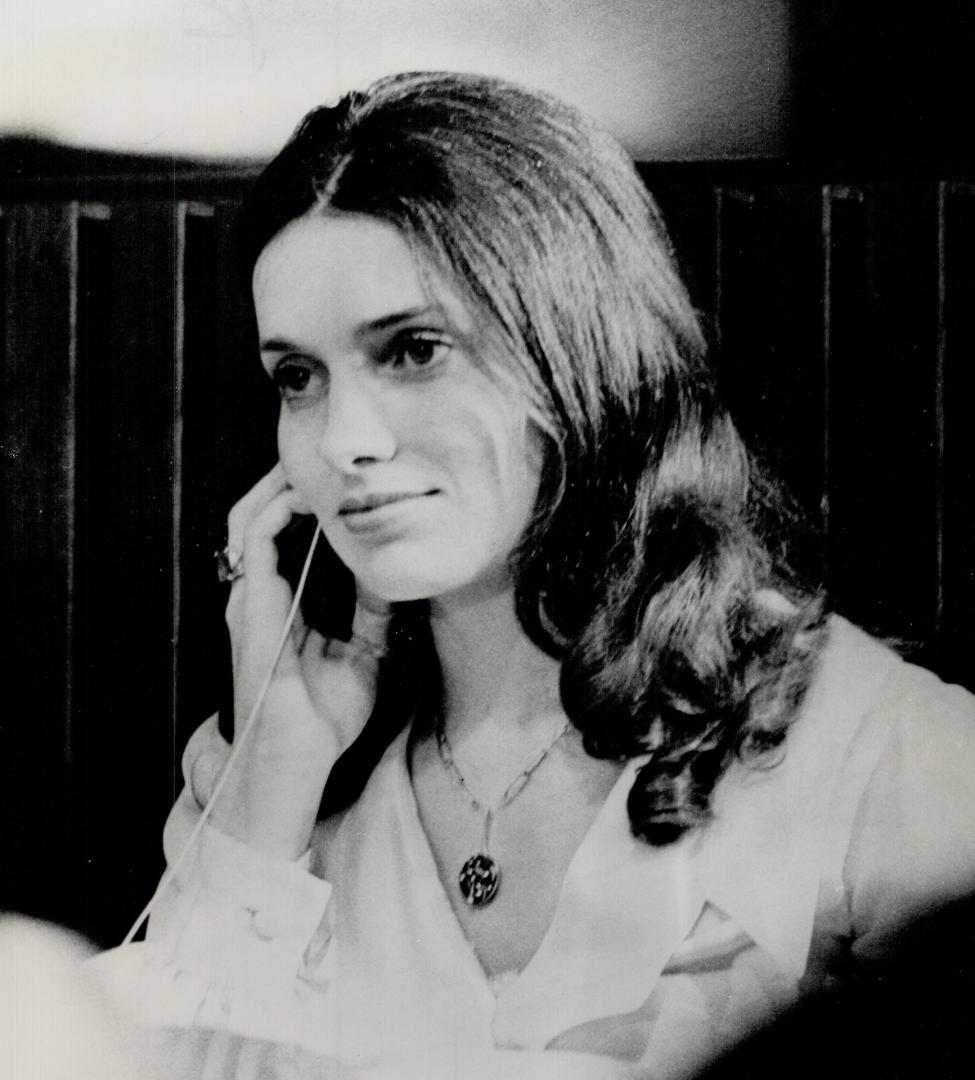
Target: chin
x,y
401,588
402,581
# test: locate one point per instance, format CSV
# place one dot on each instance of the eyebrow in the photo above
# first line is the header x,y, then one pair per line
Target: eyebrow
x,y
397,317
279,345
384,322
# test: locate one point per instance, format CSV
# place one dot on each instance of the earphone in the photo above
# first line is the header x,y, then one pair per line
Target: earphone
x,y
239,740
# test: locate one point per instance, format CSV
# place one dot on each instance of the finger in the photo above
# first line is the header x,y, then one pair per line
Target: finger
x,y
299,630
260,589
370,623
270,485
206,769
261,552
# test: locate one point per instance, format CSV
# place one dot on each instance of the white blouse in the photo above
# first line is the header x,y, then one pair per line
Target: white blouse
x,y
656,959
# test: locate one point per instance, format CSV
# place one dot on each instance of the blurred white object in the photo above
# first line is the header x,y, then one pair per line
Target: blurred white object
x,y
54,1022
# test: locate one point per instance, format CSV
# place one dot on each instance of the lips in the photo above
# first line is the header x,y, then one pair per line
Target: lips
x,y
363,504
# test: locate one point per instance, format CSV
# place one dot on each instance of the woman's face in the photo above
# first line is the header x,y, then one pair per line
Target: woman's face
x,y
421,469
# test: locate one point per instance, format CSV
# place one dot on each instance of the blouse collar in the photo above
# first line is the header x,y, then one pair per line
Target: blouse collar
x,y
625,907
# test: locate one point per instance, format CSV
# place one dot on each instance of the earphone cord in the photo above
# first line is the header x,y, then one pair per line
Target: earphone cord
x,y
239,741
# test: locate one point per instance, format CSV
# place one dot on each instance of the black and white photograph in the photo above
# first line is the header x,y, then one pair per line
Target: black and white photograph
x,y
488,540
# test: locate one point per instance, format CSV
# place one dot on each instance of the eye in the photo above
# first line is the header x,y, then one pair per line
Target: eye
x,y
417,350
298,380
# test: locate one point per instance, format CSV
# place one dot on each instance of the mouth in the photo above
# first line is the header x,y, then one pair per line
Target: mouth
x,y
362,506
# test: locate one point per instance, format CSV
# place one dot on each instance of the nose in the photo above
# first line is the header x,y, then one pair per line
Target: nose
x,y
355,430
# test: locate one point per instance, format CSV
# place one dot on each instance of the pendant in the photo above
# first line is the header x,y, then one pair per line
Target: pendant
x,y
479,880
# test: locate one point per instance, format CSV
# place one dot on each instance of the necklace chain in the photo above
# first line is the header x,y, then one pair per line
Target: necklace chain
x,y
513,790
480,875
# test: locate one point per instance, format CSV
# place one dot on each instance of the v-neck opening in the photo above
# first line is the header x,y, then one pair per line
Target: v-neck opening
x,y
418,841
421,842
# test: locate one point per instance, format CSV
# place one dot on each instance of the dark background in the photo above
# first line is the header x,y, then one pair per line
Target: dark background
x,y
838,282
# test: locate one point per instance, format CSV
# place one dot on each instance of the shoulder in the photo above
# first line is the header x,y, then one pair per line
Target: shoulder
x,y
866,813
872,706
904,788
897,742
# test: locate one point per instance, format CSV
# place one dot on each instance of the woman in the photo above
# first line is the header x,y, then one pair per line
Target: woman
x,y
616,787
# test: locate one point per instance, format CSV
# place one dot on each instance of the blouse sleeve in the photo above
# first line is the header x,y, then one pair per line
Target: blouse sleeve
x,y
912,849
237,940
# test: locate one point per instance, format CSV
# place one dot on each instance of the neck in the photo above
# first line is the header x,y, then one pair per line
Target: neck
x,y
494,677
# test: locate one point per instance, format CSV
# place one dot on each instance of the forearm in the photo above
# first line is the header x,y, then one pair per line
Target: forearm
x,y
270,797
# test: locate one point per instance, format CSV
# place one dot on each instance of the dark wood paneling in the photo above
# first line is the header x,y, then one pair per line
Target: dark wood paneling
x,y
957,637
770,318
37,398
793,415
228,441
123,715
882,430
691,214
845,340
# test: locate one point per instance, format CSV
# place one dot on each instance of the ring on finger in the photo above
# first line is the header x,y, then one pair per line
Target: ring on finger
x,y
357,644
230,564
377,649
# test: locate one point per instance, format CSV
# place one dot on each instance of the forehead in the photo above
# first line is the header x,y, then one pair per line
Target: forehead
x,y
343,266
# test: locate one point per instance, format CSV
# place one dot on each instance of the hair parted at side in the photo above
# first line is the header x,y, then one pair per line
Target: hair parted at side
x,y
651,565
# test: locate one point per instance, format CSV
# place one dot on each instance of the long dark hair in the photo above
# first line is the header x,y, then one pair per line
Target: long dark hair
x,y
651,567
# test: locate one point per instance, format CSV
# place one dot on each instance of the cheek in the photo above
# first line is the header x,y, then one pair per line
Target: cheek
x,y
506,463
297,452
288,452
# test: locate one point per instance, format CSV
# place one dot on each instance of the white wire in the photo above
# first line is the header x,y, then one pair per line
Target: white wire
x,y
239,740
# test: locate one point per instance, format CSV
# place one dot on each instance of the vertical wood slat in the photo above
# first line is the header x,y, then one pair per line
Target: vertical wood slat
x,y
691,220
794,412
848,546
183,211
200,654
94,315
228,423
741,243
904,227
882,469
826,343
125,479
770,359
957,555
37,399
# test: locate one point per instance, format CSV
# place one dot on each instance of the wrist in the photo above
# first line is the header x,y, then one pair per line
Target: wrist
x,y
272,805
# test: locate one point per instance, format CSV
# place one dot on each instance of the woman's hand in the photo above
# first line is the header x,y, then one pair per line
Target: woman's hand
x,y
319,696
